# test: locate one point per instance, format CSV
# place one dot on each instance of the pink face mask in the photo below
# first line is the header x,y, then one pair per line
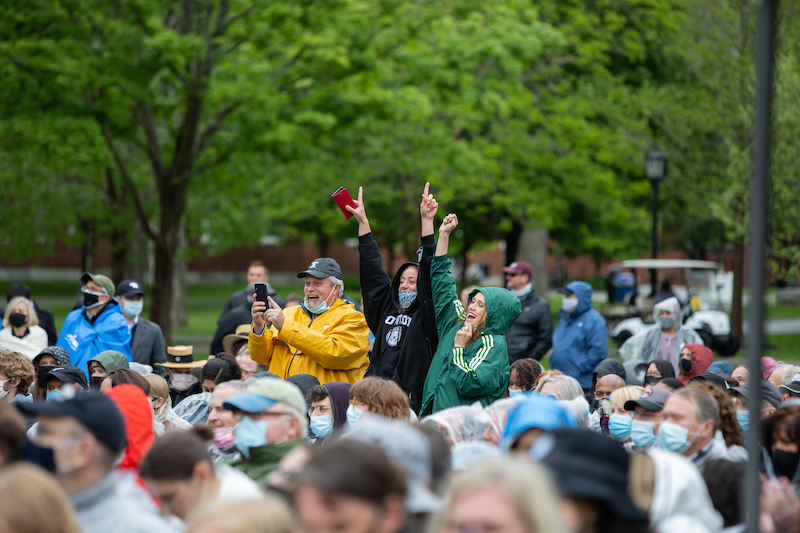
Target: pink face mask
x,y
224,438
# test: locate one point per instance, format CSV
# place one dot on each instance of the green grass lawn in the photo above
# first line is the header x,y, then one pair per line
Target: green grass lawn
x,y
205,302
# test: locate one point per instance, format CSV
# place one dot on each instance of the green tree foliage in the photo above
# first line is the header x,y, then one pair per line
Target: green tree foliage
x,y
238,118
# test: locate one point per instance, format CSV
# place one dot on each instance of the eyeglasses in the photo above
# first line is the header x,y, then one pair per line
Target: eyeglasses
x,y
319,409
356,404
249,372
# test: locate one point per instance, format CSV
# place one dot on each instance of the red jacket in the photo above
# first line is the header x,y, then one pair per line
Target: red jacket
x,y
702,357
138,415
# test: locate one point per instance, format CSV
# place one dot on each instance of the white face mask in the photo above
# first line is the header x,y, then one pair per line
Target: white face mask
x,y
3,391
182,382
569,304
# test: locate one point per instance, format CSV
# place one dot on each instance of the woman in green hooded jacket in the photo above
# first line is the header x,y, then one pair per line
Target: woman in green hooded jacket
x,y
471,362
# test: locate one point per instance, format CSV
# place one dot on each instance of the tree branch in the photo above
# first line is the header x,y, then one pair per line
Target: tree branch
x,y
215,125
137,202
183,178
151,135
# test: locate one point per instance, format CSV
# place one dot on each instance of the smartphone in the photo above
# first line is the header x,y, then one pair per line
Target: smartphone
x,y
261,292
343,198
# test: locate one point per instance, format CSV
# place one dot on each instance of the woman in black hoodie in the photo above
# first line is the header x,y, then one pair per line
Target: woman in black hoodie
x,y
400,311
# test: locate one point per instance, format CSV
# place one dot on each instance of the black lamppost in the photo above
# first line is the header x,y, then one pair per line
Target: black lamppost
x,y
655,162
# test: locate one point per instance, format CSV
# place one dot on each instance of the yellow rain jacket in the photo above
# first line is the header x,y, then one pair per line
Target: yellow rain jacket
x,y
331,346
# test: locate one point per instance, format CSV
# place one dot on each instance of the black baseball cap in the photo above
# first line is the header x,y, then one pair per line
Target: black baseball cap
x,y
585,464
94,410
652,399
65,374
128,288
322,267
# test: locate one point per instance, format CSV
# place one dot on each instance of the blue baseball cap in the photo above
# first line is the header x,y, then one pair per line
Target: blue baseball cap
x,y
536,411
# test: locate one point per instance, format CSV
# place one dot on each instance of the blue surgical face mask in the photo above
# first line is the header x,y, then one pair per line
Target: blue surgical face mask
x,y
322,426
642,433
672,437
743,417
250,434
513,393
133,308
55,395
407,298
353,415
620,427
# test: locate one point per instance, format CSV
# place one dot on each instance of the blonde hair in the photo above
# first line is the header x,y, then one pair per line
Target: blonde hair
x,y
34,502
159,388
625,394
15,365
525,483
33,318
642,480
267,515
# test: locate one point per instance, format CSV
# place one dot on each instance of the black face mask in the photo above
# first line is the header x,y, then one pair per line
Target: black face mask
x,y
686,365
90,299
95,382
17,320
38,455
785,463
651,380
42,370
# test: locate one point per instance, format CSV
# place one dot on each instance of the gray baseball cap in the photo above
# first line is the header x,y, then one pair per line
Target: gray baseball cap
x,y
652,399
322,267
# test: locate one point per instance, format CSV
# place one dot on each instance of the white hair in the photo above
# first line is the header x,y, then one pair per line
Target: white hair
x,y
337,282
236,385
567,387
579,407
302,419
789,371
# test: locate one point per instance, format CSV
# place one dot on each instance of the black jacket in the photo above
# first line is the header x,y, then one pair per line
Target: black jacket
x,y
227,324
47,322
531,335
147,345
405,340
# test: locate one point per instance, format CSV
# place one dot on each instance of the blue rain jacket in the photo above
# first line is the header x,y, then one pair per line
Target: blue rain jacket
x,y
83,340
580,341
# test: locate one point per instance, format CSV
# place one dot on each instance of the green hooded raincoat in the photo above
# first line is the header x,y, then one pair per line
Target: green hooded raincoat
x,y
479,372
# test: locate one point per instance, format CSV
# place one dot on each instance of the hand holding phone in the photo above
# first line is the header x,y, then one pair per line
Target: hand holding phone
x,y
343,198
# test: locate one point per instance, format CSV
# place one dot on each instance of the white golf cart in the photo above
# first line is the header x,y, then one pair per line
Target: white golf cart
x,y
700,297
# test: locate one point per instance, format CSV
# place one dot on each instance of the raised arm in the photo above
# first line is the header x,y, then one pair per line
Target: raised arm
x,y
448,225
427,211
360,214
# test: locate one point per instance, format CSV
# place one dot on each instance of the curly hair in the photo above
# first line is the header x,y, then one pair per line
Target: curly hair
x,y
15,365
728,424
528,372
382,396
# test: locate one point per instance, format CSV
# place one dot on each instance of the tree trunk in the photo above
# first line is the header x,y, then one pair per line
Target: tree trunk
x,y
136,266
88,246
119,254
165,246
738,287
512,242
533,249
178,317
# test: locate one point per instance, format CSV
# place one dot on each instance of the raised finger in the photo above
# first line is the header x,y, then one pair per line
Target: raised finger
x,y
425,192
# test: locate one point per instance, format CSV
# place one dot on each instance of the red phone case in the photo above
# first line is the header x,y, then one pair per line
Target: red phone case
x,y
343,198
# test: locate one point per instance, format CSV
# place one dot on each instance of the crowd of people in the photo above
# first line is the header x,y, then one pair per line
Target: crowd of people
x,y
424,412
